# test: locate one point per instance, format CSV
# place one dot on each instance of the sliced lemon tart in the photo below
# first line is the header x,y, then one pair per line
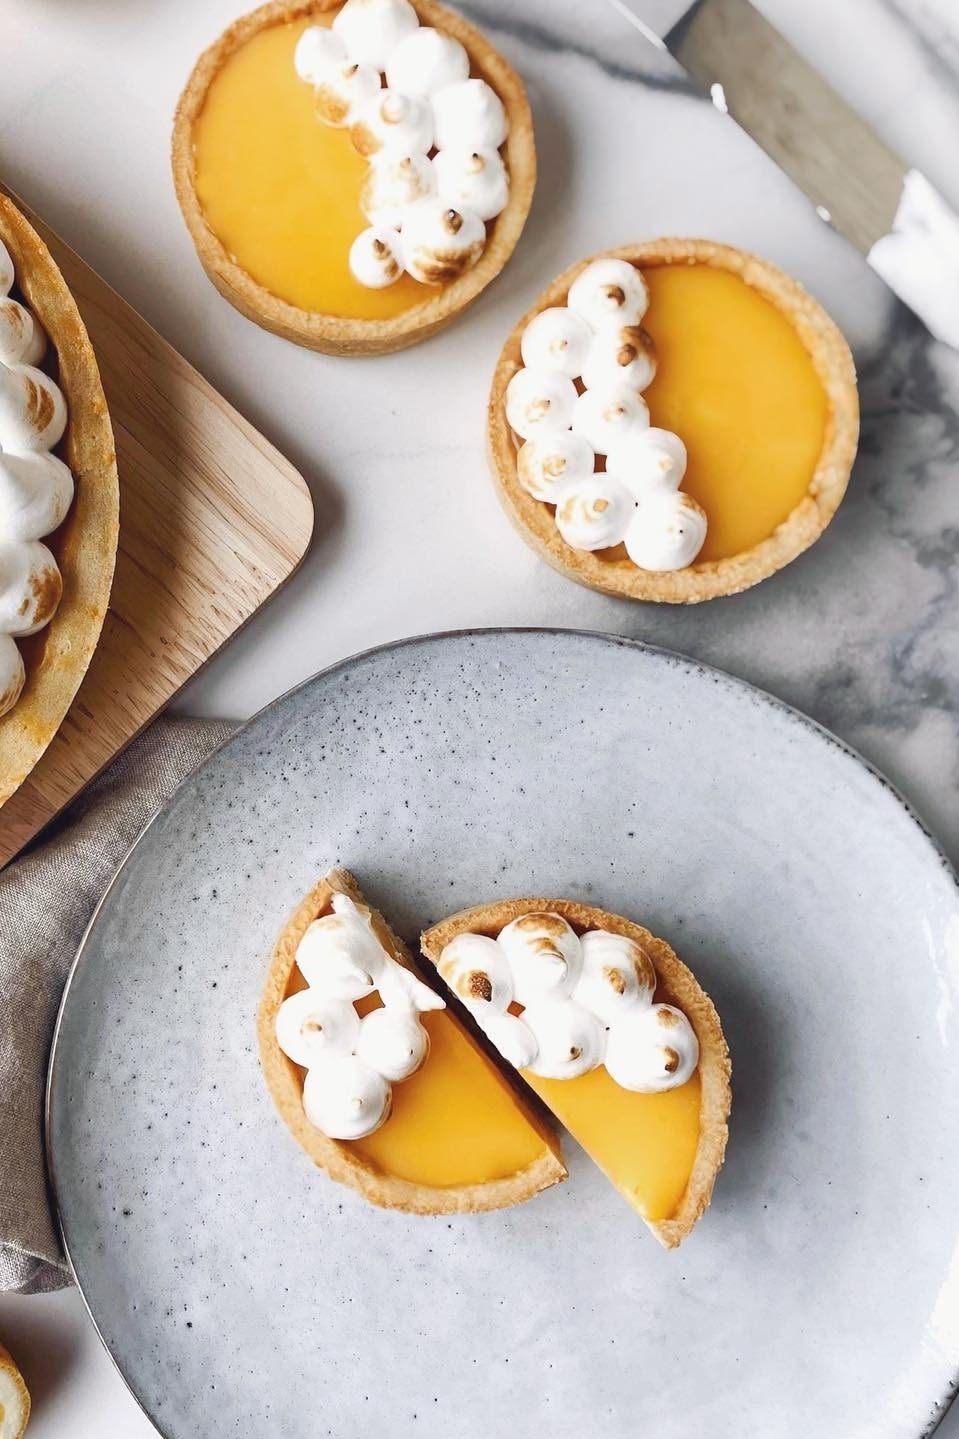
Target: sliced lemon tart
x,y
612,1032
378,1081
353,175
673,421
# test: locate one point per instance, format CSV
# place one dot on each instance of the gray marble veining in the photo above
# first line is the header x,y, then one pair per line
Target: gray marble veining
x,y
862,632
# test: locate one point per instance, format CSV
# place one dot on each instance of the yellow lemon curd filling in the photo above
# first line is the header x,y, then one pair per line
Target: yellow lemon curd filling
x,y
738,386
456,1120
280,189
645,1144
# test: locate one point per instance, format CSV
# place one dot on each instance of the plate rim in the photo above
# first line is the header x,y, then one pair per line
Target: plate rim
x,y
942,1405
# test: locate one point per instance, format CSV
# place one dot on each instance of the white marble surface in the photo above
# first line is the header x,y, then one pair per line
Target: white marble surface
x,y
862,633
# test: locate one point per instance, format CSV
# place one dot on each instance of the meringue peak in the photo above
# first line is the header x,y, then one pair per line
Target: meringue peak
x,y
352,1062
429,98
36,488
586,1000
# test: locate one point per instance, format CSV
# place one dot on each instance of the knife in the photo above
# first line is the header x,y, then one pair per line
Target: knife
x,y
860,187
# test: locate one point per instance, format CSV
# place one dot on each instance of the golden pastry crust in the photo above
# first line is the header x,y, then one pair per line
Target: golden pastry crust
x,y
612,572
15,1417
85,545
340,1160
676,985
333,334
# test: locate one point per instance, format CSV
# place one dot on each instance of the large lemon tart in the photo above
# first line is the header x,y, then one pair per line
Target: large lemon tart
x,y
673,421
59,499
378,1081
353,175
612,1032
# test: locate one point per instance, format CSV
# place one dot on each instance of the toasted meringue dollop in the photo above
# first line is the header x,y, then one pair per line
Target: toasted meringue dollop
x,y
12,674
617,975
545,955
586,1001
556,339
7,275
351,1062
402,991
605,418
372,29
36,491
308,1024
320,53
647,461
652,1048
426,61
394,123
469,114
475,179
344,94
549,465
376,257
539,402
596,338
22,341
393,1042
570,1040
395,128
33,412
394,184
339,956
668,531
595,514
30,587
477,971
36,488
513,1038
609,291
441,242
619,357
345,1097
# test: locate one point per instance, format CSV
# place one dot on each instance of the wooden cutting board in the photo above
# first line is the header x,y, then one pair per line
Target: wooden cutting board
x,y
212,521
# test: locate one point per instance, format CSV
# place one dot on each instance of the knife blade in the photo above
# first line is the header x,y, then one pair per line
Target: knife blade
x,y
858,185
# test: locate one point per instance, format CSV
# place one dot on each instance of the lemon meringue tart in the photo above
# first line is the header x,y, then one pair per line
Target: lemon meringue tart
x,y
614,1035
59,499
353,175
673,421
378,1081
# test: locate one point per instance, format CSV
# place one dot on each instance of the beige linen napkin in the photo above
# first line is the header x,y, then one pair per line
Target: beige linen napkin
x,y
46,900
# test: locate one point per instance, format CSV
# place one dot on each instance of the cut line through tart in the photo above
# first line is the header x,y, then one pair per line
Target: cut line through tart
x,y
663,1149
244,117
457,1136
679,445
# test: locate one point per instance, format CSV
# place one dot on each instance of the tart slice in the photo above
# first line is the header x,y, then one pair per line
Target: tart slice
x,y
59,499
612,1032
378,1081
673,421
353,175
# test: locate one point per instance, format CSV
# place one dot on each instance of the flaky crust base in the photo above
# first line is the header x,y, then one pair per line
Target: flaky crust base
x,y
615,574
333,334
341,1161
676,985
85,545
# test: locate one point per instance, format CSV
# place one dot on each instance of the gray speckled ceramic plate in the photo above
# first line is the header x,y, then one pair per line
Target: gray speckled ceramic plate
x,y
242,1293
